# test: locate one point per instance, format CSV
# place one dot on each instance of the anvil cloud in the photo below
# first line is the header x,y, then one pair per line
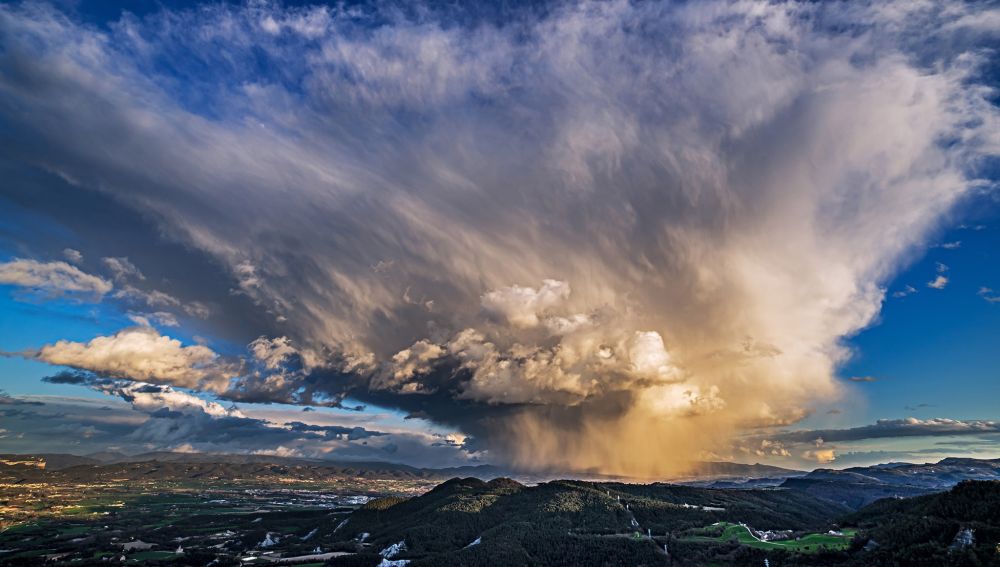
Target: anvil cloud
x,y
593,236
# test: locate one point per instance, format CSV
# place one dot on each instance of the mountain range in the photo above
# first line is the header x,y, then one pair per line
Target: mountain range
x,y
858,486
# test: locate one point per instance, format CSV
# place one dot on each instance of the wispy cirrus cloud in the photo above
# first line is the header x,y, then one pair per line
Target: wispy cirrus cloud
x,y
122,268
989,295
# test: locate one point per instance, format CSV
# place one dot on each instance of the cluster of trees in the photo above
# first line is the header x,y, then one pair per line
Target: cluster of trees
x,y
660,507
507,515
381,504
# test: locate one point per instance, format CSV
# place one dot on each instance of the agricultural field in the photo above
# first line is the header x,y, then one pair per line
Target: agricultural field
x,y
723,532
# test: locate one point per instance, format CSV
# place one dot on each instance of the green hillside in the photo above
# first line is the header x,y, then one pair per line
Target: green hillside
x,y
922,530
570,522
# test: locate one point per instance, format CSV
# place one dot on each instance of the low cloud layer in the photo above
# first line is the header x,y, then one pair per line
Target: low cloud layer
x,y
853,445
887,428
148,417
600,236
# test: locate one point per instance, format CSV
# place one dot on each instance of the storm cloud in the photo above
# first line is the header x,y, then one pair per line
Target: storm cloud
x,y
594,236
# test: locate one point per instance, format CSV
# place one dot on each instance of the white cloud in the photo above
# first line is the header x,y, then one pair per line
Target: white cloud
x,y
417,359
280,451
939,282
907,290
681,400
565,325
53,279
649,357
521,305
989,295
150,298
163,318
821,456
272,352
765,448
149,399
522,374
141,353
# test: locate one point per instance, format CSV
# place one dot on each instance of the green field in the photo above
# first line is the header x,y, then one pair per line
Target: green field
x,y
808,543
74,530
150,556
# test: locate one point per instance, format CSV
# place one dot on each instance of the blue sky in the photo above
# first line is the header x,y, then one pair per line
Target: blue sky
x,y
466,234
938,347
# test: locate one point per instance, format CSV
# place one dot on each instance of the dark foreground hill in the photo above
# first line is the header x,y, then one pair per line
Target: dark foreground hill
x,y
501,522
958,527
472,523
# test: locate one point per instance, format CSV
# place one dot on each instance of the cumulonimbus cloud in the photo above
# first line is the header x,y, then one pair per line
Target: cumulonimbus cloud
x,y
602,235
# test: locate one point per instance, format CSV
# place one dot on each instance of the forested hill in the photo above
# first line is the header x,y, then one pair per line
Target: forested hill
x,y
569,522
924,530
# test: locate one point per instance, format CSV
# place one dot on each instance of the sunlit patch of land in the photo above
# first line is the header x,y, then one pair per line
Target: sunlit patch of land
x,y
723,532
